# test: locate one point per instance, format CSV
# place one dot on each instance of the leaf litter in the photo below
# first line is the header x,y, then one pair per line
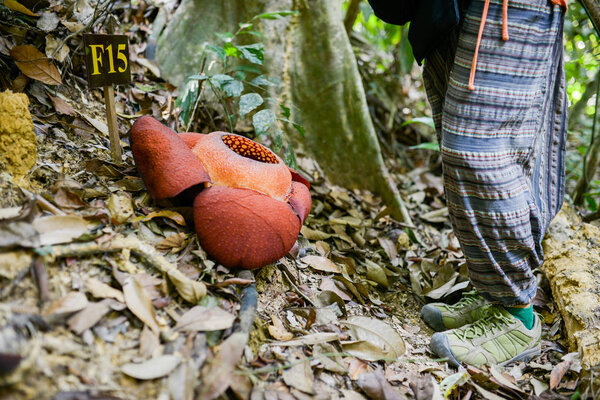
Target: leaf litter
x,y
134,308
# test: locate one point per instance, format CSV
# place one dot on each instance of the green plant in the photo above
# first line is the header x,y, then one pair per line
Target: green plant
x,y
239,87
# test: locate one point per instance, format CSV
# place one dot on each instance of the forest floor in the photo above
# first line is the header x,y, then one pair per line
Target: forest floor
x,y
339,319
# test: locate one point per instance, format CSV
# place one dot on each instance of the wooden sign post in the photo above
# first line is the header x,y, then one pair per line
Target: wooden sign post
x,y
107,62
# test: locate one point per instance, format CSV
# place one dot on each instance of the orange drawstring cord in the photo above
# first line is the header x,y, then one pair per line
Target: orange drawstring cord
x,y
505,20
480,34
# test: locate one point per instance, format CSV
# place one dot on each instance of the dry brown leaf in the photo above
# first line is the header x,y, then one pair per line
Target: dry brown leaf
x,y
321,263
278,331
356,368
65,198
201,318
217,373
35,65
300,376
139,303
55,229
558,372
312,234
154,368
89,316
16,6
69,303
376,386
375,339
329,284
172,215
120,208
312,338
376,273
389,247
62,106
102,290
323,247
172,242
149,342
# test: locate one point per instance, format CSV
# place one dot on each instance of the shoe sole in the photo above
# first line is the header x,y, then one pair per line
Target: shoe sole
x,y
433,317
524,356
441,346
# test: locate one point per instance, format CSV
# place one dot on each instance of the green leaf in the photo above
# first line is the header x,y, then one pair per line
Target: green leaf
x,y
230,50
220,79
298,127
285,111
263,120
233,88
262,80
274,15
427,146
219,51
240,76
254,53
290,157
255,33
224,36
277,141
422,120
591,202
198,77
249,102
247,68
245,25
187,99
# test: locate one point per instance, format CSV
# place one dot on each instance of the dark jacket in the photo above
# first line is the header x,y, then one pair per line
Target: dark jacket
x,y
430,21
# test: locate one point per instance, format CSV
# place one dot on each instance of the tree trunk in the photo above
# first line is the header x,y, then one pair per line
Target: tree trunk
x,y
328,98
313,55
593,9
198,21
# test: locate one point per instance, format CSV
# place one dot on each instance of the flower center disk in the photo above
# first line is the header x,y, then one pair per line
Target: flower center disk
x,y
249,149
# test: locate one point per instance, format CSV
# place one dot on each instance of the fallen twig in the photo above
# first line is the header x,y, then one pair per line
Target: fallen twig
x,y
40,275
190,290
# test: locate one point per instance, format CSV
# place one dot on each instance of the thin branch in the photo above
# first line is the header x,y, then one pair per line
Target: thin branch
x,y
351,14
590,159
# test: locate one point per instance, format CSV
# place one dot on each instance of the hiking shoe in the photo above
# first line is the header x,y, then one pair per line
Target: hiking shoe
x,y
442,316
496,338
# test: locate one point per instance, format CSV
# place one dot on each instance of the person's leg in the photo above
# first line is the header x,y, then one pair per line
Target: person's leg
x,y
503,147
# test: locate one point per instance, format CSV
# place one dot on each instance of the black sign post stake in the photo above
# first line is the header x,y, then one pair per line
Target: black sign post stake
x,y
107,62
113,129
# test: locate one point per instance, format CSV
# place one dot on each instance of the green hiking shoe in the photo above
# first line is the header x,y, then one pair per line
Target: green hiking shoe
x,y
496,338
442,316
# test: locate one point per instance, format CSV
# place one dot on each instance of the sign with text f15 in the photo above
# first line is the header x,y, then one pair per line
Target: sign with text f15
x,y
107,60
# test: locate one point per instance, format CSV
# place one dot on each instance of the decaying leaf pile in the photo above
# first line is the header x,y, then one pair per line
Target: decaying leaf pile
x,y
106,294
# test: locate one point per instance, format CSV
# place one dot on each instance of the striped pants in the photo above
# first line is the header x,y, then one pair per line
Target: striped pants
x,y
503,143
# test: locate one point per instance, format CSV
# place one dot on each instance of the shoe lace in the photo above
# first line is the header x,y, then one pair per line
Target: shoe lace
x,y
492,320
467,299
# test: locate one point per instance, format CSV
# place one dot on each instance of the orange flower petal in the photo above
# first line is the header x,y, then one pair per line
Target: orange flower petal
x,y
242,228
299,178
191,138
300,200
238,162
167,165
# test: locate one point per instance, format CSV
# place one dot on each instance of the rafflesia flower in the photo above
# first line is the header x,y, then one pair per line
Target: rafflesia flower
x,y
248,205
